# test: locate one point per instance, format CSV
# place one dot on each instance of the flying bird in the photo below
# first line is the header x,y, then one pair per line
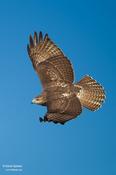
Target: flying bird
x,y
63,98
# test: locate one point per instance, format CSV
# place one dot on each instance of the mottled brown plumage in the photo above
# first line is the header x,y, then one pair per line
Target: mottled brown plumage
x,y
64,99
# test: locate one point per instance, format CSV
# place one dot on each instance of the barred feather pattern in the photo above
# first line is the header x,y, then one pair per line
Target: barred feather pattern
x,y
41,48
90,93
48,60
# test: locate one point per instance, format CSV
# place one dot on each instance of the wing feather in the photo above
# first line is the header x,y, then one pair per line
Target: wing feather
x,y
65,105
63,109
48,59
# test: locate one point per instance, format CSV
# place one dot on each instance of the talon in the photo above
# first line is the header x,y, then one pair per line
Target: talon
x,y
45,118
41,119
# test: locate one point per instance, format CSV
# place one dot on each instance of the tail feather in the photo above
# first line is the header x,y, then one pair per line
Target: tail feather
x,y
90,93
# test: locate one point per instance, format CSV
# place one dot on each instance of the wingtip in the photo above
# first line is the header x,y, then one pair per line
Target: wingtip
x,y
31,41
28,49
46,36
40,36
35,33
35,38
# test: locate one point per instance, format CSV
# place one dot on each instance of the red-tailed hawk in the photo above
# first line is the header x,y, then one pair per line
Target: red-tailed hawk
x,y
63,98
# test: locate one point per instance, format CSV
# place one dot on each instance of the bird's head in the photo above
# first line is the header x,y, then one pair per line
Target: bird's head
x,y
38,100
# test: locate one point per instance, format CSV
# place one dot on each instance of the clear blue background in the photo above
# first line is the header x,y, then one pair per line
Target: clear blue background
x,y
86,32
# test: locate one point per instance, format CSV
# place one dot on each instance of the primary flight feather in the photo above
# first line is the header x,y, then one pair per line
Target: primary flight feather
x,y
63,98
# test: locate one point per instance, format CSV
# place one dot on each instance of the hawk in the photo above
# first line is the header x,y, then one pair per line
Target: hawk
x,y
63,98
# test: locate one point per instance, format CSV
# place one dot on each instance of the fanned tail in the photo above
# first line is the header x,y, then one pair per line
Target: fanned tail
x,y
90,93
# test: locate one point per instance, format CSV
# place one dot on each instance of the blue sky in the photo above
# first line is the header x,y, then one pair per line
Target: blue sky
x,y
86,32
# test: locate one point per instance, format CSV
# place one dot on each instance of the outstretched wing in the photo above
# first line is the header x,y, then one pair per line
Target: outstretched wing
x,y
48,60
63,109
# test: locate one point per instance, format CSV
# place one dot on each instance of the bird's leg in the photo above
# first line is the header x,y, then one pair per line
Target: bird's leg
x,y
43,119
